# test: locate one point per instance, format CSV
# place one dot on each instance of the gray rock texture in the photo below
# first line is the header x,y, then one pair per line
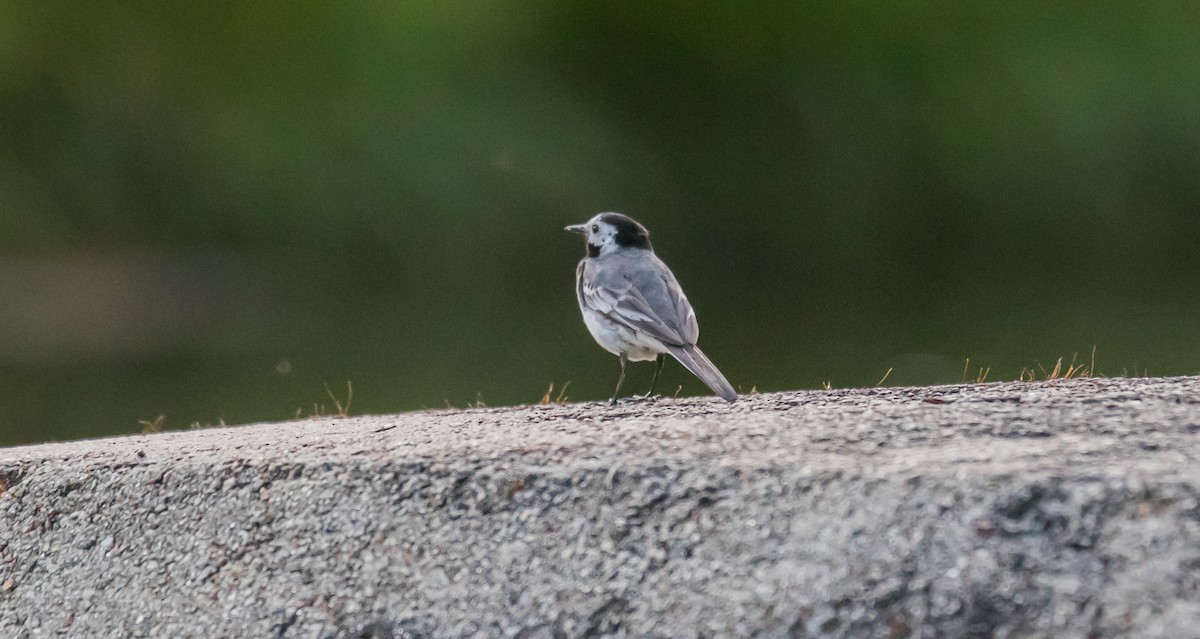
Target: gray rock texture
x,y
1054,509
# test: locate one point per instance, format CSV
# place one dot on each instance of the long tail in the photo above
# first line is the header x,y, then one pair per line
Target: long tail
x,y
696,361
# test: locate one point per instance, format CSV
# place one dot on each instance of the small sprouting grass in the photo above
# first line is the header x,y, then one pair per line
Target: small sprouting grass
x,y
1062,369
550,398
149,427
342,410
478,403
339,409
980,377
1073,370
158,424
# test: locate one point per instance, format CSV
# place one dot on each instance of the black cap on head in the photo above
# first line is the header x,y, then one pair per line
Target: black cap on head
x,y
629,232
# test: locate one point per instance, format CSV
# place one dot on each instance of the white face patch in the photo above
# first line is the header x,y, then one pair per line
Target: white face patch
x,y
602,235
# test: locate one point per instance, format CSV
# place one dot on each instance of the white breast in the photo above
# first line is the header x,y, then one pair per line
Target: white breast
x,y
617,339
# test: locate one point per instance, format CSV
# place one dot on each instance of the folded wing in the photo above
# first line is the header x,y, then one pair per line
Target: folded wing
x,y
646,299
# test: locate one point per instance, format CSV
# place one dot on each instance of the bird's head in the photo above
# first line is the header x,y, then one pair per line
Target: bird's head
x,y
608,232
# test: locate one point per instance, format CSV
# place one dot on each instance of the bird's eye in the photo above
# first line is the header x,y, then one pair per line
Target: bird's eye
x,y
595,228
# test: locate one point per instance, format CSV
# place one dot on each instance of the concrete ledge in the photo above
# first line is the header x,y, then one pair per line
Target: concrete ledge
x,y
1060,509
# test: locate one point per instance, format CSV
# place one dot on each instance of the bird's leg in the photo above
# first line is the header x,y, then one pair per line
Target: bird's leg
x,y
658,366
620,380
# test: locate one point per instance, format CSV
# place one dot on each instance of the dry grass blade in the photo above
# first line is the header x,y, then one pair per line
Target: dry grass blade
x,y
1074,369
342,410
981,376
550,398
155,426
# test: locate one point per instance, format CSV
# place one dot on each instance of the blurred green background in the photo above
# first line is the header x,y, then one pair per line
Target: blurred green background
x,y
209,211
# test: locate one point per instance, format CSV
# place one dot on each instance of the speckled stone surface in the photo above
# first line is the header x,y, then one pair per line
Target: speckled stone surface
x,y
1056,509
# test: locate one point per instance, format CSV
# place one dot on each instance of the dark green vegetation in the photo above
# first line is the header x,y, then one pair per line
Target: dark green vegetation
x,y
210,210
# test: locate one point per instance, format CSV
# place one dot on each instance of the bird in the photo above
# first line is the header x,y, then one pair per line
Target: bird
x,y
634,307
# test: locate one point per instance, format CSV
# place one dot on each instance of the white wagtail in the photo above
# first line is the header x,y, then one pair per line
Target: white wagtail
x,y
633,306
